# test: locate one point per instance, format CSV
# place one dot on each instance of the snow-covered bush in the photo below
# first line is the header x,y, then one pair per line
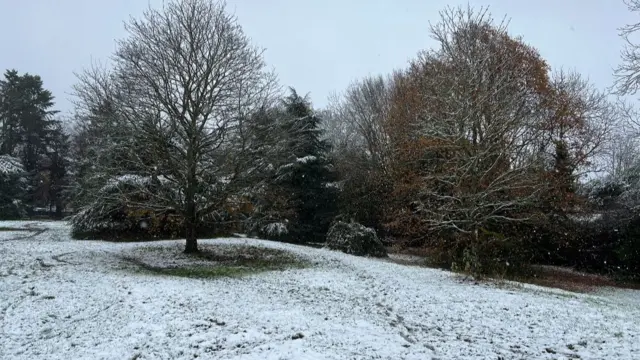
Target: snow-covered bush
x,y
13,188
118,210
275,229
121,209
355,239
268,228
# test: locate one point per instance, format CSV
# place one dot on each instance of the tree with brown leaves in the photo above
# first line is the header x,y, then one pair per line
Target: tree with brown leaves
x,y
462,125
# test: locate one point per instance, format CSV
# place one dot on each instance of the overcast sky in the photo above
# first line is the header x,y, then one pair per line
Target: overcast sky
x,y
317,46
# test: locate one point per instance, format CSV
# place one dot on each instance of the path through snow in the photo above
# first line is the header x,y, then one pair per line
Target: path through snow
x,y
66,299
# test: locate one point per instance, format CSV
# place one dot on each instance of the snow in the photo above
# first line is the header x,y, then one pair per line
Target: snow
x,y
10,165
66,299
276,229
131,179
306,159
585,218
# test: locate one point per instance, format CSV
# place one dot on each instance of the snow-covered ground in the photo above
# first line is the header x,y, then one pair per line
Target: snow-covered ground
x,y
66,299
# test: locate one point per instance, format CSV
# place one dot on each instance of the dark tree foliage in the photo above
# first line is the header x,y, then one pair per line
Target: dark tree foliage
x,y
29,132
13,188
309,175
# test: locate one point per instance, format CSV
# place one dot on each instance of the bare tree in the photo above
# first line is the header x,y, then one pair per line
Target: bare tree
x,y
620,151
359,114
579,116
628,73
367,104
341,132
621,155
184,82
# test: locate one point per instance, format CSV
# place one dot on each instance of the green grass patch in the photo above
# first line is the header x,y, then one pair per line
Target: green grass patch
x,y
213,261
201,272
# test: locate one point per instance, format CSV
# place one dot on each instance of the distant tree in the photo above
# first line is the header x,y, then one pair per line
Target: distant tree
x,y
364,107
577,125
620,153
628,72
361,149
184,82
57,167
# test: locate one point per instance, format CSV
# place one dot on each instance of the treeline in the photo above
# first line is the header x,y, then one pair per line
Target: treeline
x,y
478,150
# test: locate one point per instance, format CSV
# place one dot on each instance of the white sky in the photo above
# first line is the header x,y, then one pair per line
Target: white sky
x,y
317,46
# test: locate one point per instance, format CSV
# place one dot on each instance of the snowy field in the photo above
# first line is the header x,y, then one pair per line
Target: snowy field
x,y
66,299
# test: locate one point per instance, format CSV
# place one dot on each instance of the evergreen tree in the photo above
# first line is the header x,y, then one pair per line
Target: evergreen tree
x,y
57,168
272,210
308,174
29,132
27,123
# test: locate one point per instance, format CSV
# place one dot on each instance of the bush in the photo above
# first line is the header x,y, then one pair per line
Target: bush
x,y
123,224
355,239
117,222
605,238
609,244
485,254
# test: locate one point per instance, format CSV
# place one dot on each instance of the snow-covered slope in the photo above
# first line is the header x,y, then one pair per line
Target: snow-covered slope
x,y
65,299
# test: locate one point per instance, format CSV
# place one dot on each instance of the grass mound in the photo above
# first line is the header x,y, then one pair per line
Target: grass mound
x,y
219,260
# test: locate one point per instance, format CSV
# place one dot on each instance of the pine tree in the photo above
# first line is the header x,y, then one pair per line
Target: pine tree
x,y
27,122
309,172
29,132
271,207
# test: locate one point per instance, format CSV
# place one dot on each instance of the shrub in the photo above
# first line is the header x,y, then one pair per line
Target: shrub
x,y
486,253
608,244
355,239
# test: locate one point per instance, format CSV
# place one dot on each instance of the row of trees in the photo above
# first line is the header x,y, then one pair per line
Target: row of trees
x,y
476,138
478,149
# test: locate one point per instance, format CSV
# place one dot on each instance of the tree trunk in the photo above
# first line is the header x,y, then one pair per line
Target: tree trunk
x,y
191,245
191,214
59,207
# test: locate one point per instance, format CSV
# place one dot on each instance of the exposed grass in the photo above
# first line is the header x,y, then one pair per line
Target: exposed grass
x,y
571,280
201,272
141,235
213,261
5,228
